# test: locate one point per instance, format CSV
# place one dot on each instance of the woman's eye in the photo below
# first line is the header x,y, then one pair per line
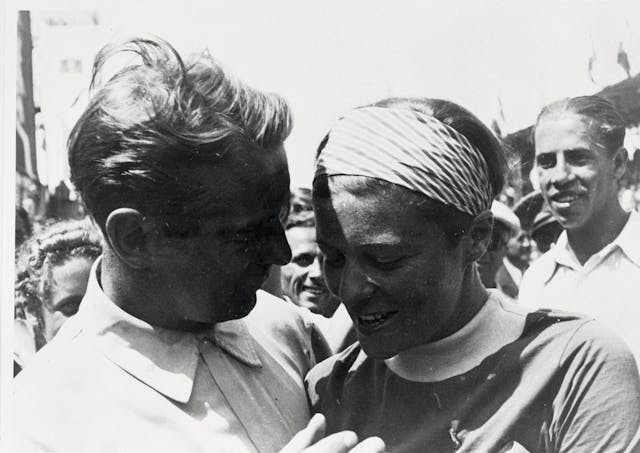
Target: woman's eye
x,y
384,262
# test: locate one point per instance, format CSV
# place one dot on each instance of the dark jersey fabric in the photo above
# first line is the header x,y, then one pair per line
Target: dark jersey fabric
x,y
566,385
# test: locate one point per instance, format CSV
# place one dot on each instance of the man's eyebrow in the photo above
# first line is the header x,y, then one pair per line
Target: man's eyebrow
x,y
579,150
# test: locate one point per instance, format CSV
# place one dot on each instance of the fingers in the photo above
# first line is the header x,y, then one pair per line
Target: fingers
x,y
310,440
347,442
308,436
370,445
341,442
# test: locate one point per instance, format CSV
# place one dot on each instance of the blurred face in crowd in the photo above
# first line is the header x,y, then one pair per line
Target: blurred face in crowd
x,y
519,249
66,286
490,262
392,267
213,276
575,170
302,279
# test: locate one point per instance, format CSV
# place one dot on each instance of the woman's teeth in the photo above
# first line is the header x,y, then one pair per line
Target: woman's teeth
x,y
374,318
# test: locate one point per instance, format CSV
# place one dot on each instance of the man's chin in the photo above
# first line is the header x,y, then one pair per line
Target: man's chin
x,y
569,218
318,303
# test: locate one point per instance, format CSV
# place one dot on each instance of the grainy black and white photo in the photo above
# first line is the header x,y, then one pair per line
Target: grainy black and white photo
x,y
336,227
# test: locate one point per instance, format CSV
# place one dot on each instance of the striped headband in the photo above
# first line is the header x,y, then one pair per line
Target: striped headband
x,y
412,150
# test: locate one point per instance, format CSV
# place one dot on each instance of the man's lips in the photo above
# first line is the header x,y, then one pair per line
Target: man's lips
x,y
318,290
566,197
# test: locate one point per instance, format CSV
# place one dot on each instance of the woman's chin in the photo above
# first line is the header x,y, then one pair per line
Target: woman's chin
x,y
378,348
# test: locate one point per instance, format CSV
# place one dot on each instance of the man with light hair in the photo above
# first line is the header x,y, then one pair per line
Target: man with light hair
x,y
594,267
183,169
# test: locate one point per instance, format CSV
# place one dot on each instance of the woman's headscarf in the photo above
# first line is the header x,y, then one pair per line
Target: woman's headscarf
x,y
412,150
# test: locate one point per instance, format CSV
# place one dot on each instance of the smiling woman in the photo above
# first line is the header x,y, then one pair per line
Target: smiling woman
x,y
402,194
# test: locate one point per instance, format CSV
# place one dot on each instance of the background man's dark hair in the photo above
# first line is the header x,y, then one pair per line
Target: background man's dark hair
x,y
598,113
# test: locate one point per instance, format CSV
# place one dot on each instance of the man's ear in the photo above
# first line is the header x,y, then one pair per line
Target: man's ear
x,y
480,235
620,159
130,236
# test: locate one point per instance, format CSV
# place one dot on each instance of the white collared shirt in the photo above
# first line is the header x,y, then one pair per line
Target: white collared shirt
x,y
606,287
109,382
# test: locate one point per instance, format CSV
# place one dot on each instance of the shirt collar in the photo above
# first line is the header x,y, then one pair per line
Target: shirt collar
x,y
562,252
629,238
627,241
164,359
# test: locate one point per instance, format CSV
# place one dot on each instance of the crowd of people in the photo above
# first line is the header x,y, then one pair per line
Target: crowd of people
x,y
395,306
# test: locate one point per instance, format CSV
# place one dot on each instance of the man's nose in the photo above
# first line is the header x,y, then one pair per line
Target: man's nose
x,y
315,269
562,172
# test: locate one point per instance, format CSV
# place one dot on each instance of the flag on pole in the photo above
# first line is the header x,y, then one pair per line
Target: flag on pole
x,y
499,122
592,60
496,128
623,60
25,110
501,110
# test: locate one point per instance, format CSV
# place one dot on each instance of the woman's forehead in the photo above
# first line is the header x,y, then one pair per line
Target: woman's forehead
x,y
385,213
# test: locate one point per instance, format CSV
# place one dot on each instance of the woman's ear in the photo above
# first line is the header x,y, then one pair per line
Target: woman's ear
x,y
129,235
480,235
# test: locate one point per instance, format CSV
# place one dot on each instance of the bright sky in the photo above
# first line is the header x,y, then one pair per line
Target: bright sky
x,y
326,57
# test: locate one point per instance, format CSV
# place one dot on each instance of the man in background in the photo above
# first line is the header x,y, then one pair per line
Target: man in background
x,y
594,268
303,278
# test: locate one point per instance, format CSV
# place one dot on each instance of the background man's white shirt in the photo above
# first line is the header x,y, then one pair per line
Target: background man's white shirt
x,y
606,287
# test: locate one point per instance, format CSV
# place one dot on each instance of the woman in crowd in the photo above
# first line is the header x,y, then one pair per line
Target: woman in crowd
x,y
52,272
402,192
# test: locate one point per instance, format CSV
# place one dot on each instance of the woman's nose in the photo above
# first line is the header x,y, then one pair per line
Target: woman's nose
x,y
356,286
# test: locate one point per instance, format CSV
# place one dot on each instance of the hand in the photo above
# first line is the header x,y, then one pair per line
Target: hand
x,y
311,440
